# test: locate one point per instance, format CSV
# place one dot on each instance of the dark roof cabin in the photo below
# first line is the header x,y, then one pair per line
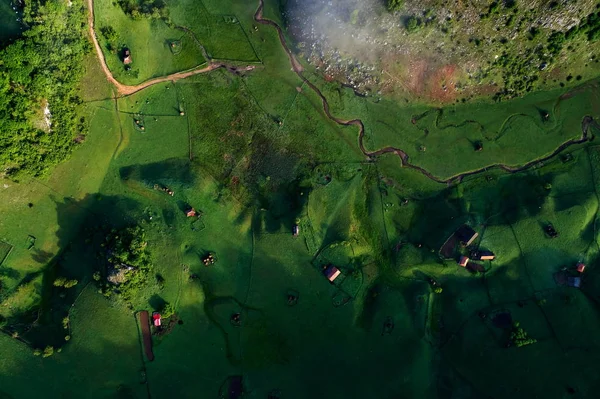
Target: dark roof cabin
x,y
574,282
331,272
127,57
296,230
463,261
466,235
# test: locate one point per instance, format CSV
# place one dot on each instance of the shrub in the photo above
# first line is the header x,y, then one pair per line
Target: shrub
x,y
60,282
438,290
71,283
48,351
519,337
37,352
413,24
394,5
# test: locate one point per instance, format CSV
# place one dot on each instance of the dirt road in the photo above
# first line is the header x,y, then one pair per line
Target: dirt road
x,y
125,90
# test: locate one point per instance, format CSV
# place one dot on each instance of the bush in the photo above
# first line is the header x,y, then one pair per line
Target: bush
x,y
438,290
519,337
48,351
37,352
413,24
138,9
60,282
394,5
71,283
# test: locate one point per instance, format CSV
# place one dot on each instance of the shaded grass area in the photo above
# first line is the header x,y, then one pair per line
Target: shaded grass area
x,y
101,360
10,27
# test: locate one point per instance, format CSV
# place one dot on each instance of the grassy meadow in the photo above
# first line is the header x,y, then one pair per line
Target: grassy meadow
x,y
148,40
255,154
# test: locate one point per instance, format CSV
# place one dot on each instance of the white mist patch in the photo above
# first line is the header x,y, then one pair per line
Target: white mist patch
x,y
346,38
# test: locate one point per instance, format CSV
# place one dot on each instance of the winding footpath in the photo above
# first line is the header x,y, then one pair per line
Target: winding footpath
x,y
125,90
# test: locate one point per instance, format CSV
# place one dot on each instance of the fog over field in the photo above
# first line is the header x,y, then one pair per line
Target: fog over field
x,y
356,28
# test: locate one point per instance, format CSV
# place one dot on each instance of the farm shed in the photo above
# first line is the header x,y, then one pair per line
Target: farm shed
x,y
296,230
463,261
127,57
331,272
483,255
466,235
156,319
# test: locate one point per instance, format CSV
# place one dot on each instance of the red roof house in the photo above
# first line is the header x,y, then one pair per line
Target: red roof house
x,y
156,319
191,212
580,267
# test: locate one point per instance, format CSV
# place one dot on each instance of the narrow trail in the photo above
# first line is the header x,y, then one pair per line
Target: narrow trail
x,y
126,90
404,158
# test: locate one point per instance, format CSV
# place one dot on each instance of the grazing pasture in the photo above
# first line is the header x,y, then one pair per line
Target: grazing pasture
x,y
214,173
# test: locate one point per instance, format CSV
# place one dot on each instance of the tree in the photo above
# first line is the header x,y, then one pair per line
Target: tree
x,y
394,5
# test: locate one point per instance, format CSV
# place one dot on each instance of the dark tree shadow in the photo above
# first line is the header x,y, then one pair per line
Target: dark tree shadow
x,y
76,260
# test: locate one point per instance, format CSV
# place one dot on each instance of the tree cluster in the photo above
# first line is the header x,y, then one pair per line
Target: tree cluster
x,y
138,9
43,67
519,337
127,252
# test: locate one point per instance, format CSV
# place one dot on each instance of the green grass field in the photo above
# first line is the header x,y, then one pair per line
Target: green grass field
x,y
256,155
149,41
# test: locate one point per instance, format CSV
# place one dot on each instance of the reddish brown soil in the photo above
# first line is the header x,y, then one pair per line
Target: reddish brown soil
x,y
147,337
442,86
